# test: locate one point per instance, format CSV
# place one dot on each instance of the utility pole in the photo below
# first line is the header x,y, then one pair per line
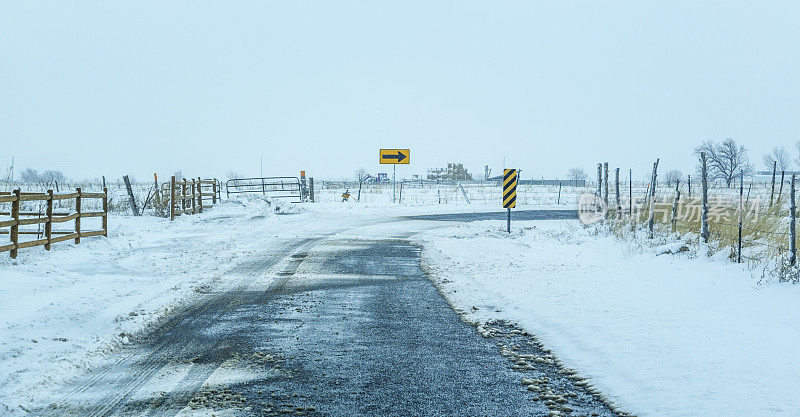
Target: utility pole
x,y
261,167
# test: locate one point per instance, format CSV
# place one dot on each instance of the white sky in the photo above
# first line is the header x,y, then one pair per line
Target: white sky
x,y
108,88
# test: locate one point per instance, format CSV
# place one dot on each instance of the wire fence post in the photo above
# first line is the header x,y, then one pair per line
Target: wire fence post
x,y
780,189
616,194
605,181
675,207
559,194
651,214
599,180
792,214
741,213
630,199
704,214
772,194
689,182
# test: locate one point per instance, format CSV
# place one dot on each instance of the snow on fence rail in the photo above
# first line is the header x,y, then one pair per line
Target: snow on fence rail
x,y
45,237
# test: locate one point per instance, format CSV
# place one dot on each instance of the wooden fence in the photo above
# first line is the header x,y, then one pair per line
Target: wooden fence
x,y
190,197
16,198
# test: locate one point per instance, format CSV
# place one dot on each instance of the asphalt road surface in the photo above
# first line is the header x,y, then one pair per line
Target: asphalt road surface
x,y
330,326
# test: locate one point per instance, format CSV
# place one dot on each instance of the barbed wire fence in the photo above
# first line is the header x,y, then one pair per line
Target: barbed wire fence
x,y
754,227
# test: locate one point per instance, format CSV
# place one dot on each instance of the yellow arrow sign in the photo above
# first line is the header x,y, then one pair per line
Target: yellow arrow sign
x,y
394,156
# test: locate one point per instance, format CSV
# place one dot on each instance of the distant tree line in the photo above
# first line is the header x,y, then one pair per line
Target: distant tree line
x,y
49,176
725,160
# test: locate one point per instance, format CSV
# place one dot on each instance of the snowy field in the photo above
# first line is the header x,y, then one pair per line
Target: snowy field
x,y
660,335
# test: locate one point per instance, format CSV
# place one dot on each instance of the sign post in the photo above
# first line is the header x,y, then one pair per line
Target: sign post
x,y
394,157
509,193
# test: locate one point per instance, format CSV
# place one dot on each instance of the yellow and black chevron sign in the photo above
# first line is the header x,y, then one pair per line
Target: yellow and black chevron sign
x,y
509,188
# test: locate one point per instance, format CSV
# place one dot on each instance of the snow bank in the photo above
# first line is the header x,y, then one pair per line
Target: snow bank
x,y
661,335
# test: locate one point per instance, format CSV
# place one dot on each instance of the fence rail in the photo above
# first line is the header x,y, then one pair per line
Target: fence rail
x,y
190,197
275,187
45,237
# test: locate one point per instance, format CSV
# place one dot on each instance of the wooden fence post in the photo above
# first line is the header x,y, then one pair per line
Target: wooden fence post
x,y
105,212
792,233
172,199
311,188
780,189
184,184
199,195
194,197
741,214
48,227
130,195
214,191
704,214
78,219
651,215
774,169
15,227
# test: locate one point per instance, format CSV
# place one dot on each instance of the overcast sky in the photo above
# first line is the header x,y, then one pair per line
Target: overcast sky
x,y
109,88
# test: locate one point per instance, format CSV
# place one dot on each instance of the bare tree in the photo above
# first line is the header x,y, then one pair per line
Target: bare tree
x,y
576,174
233,175
797,151
725,160
360,173
29,175
779,155
673,176
51,176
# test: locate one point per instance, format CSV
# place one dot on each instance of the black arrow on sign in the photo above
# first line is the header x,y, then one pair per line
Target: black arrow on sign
x,y
400,156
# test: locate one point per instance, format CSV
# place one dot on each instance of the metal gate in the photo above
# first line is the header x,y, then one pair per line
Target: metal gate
x,y
274,187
